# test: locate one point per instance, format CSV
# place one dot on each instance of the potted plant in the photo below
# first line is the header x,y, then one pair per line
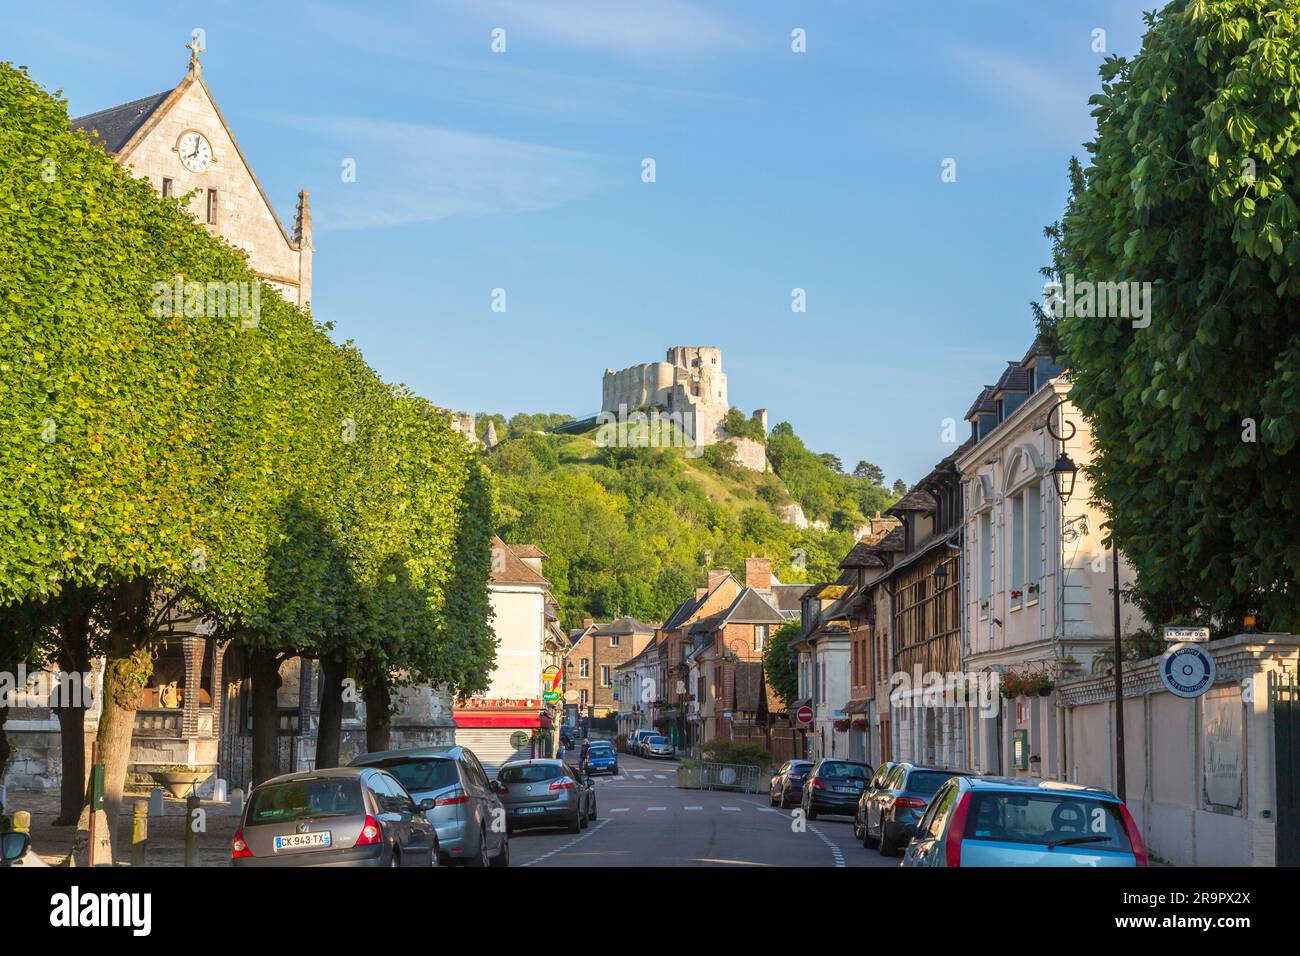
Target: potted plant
x,y
1012,685
859,723
1032,589
842,725
180,780
1040,684
1015,595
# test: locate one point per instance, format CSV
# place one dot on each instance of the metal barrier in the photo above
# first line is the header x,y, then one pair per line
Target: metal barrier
x,y
730,776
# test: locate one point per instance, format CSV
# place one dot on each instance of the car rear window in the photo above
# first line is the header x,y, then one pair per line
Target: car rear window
x,y
529,773
843,771
419,775
1046,818
304,798
926,781
658,740
601,749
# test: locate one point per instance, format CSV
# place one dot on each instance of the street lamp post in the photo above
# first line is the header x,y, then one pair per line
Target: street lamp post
x,y
1063,476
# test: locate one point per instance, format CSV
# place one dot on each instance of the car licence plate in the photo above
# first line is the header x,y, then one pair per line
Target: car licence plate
x,y
530,810
843,789
302,841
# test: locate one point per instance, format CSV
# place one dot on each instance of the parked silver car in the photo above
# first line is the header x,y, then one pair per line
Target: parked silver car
x,y
545,793
657,746
347,816
638,738
466,812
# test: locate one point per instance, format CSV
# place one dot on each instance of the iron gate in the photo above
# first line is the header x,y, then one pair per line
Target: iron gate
x,y
1284,694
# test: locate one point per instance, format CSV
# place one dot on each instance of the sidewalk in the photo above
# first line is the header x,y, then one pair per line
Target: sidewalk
x,y
166,833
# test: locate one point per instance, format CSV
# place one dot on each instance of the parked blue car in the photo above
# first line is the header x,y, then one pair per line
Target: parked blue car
x,y
1008,821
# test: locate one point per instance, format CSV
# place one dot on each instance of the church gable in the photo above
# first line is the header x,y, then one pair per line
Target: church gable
x,y
181,143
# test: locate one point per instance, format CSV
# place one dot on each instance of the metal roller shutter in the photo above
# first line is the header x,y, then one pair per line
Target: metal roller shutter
x,y
491,745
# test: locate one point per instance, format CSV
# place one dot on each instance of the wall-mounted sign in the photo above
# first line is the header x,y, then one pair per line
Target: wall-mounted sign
x,y
1187,635
1187,670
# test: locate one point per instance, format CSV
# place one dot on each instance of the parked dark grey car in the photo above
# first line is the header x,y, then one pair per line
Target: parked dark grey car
x,y
545,793
347,816
892,811
466,813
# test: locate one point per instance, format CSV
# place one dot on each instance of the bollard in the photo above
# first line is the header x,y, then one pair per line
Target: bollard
x,y
237,803
22,822
156,802
191,837
140,834
219,791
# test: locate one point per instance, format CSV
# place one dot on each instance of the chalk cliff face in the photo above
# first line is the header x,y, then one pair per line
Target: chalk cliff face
x,y
690,383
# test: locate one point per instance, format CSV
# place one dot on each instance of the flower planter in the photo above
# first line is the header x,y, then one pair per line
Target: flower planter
x,y
180,783
688,778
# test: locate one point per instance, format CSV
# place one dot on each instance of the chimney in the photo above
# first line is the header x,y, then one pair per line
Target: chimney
x,y
587,622
716,576
758,573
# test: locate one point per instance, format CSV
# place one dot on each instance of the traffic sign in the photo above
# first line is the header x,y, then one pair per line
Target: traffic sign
x,y
804,715
1187,670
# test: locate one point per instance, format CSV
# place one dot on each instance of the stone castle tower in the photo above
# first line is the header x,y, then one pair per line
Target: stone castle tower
x,y
690,382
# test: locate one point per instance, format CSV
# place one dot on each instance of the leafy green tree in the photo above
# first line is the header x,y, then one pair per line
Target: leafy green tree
x,y
782,675
869,472
1195,417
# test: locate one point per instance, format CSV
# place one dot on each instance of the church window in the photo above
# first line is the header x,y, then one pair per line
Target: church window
x,y
212,207
166,187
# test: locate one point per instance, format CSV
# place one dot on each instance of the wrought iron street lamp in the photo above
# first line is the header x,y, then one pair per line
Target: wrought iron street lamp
x,y
1063,476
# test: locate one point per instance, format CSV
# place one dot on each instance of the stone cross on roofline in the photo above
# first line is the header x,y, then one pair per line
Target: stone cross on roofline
x,y
195,49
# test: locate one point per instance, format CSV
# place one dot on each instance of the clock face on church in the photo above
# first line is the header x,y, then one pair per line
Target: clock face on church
x,y
195,151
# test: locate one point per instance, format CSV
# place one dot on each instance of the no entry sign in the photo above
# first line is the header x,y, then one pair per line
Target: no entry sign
x,y
804,715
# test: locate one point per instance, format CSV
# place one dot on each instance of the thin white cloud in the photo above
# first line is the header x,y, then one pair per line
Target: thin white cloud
x,y
664,27
1047,98
409,173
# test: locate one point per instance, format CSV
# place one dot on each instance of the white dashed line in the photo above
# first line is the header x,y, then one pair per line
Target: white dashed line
x,y
836,852
619,810
594,826
656,809
732,809
638,776
693,808
661,776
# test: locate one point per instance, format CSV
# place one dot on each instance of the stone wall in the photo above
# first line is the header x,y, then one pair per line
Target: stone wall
x,y
690,383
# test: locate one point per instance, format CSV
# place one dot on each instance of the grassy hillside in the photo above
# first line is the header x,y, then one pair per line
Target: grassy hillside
x,y
632,530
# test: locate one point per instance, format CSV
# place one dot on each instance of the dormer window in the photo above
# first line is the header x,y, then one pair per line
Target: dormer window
x,y
1033,378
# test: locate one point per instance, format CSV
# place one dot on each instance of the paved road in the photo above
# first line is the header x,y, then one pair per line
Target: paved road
x,y
644,820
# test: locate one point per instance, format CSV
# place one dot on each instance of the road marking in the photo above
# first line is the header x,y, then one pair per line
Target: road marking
x,y
574,842
638,776
732,809
836,852
655,809
661,776
619,810
768,810
693,808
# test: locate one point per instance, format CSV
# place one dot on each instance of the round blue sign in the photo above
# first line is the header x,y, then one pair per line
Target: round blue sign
x,y
1187,670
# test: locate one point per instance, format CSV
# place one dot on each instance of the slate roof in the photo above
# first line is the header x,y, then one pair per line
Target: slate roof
x,y
984,404
914,500
1014,379
624,626
863,555
117,124
786,598
750,607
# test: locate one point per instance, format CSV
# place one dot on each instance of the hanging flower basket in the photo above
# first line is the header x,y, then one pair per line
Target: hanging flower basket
x,y
1039,684
859,723
842,725
1012,685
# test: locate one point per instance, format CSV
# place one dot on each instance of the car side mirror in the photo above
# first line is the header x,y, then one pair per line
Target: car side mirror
x,y
427,804
14,846
494,786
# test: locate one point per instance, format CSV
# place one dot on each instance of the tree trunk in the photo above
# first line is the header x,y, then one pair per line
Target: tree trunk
x,y
331,713
264,668
73,658
378,716
127,665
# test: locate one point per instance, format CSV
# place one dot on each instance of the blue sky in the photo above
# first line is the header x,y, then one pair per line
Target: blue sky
x,y
522,170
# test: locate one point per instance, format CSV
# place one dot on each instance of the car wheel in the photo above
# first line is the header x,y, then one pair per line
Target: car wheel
x,y
808,812
435,857
503,855
481,857
576,823
868,840
886,845
593,811
583,820
396,858
771,799
857,828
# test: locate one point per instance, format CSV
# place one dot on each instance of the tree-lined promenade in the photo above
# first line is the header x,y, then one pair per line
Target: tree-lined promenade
x,y
164,459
